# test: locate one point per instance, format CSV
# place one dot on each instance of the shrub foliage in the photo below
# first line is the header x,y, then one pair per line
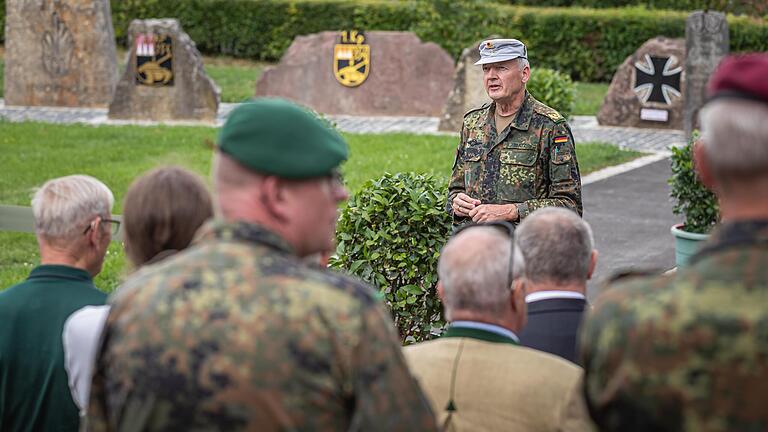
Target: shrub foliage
x,y
694,201
554,89
390,235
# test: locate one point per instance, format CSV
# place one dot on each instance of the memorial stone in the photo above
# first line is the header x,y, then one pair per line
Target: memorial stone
x,y
377,73
647,89
468,90
59,53
164,77
707,42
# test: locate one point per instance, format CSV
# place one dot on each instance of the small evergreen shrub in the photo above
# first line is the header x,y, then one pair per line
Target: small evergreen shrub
x,y
553,89
692,200
390,235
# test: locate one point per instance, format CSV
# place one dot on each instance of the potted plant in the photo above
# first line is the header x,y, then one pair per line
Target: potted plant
x,y
696,203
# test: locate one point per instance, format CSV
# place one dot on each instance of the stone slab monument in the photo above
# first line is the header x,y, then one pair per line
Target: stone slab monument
x,y
647,90
468,90
379,73
164,77
707,42
59,53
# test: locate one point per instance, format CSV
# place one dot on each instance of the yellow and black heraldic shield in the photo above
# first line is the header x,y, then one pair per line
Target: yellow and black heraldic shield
x,y
351,59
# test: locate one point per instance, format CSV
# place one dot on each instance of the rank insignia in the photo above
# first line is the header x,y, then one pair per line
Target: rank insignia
x,y
154,60
351,59
561,139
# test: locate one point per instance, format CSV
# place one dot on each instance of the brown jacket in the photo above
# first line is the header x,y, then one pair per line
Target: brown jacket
x,y
499,386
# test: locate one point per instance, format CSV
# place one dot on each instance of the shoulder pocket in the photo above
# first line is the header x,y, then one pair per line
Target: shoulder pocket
x,y
518,156
472,154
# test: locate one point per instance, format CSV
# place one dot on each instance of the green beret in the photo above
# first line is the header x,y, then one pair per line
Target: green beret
x,y
277,137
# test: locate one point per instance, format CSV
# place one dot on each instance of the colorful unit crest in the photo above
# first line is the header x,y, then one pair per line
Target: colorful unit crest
x,y
351,59
154,60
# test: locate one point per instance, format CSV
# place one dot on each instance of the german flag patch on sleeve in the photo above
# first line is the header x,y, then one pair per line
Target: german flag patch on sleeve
x,y
561,139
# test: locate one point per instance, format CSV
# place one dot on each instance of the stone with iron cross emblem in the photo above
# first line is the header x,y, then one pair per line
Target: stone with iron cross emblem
x,y
657,79
647,90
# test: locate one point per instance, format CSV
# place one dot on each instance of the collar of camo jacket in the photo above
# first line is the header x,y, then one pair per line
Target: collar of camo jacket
x,y
243,232
522,119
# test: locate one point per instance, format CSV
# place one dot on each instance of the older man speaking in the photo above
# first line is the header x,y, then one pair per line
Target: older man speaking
x,y
516,154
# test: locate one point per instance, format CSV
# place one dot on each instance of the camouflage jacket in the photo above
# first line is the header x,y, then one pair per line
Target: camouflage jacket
x,y
237,333
531,163
685,352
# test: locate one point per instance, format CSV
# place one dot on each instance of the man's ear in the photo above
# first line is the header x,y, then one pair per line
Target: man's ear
x,y
518,295
272,197
526,74
519,307
95,234
440,290
592,263
701,165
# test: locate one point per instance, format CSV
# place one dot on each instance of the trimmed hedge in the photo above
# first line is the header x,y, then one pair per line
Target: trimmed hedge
x,y
588,44
747,7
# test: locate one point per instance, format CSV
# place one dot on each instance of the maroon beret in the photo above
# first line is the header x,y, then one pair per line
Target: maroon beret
x,y
741,76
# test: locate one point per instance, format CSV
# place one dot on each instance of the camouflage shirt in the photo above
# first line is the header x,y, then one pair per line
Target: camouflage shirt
x,y
685,352
237,333
532,162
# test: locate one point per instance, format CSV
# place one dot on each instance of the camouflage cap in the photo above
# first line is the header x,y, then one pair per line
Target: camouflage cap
x,y
499,50
277,137
741,76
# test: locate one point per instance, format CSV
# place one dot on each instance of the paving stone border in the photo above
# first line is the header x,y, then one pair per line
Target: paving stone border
x,y
585,128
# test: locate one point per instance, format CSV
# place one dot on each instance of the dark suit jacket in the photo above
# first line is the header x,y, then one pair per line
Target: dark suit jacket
x,y
553,326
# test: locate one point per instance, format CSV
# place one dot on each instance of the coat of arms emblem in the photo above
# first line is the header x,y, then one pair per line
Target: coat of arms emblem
x,y
351,59
154,60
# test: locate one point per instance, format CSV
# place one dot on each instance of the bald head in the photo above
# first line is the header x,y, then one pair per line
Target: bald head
x,y
474,272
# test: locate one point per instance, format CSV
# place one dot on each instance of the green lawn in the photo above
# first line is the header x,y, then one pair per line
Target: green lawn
x,y
589,97
31,153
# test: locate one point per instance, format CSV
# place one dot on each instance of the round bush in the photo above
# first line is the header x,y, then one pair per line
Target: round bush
x,y
553,89
390,235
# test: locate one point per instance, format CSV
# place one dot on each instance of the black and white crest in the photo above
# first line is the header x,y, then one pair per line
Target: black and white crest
x,y
657,79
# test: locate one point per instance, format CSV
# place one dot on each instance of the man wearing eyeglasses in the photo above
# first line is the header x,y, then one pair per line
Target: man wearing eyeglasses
x,y
239,332
516,154
73,228
477,376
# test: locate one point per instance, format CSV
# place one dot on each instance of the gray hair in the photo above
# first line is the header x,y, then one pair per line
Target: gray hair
x,y
474,271
522,63
64,206
735,135
556,244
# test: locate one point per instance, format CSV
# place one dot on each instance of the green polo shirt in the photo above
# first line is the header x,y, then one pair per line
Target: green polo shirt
x,y
34,393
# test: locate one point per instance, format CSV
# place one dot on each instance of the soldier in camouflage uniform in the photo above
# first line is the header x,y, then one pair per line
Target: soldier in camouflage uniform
x,y
689,351
516,154
237,332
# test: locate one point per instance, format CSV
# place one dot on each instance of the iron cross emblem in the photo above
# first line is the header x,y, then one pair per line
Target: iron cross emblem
x,y
657,79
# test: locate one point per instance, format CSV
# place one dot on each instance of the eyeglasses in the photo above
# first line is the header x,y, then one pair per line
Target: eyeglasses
x,y
115,225
504,226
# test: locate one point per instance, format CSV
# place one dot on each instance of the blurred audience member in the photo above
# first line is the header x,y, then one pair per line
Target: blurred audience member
x,y
162,211
559,259
238,332
477,376
73,226
689,351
